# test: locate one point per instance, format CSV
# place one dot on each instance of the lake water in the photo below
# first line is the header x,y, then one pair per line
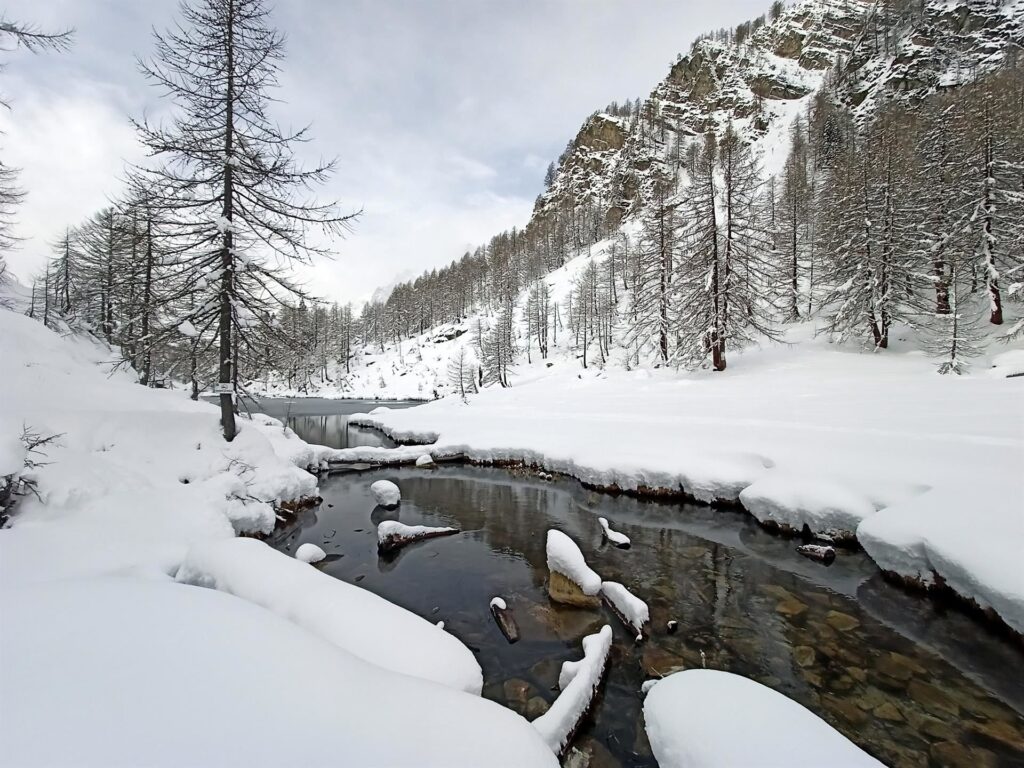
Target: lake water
x,y
325,422
911,683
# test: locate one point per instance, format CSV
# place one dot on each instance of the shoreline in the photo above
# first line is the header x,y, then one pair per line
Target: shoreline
x,y
939,592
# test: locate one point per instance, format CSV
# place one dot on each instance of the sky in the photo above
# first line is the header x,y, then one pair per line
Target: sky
x,y
442,114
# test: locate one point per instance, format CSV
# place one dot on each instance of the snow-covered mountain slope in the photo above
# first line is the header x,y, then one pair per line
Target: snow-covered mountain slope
x,y
101,645
867,53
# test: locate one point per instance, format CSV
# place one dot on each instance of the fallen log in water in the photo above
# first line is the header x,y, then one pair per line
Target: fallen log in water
x,y
822,554
505,620
393,535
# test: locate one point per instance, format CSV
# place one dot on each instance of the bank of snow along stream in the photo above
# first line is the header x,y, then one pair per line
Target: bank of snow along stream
x,y
846,447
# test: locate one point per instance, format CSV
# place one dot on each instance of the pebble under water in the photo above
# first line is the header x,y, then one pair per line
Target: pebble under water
x,y
910,683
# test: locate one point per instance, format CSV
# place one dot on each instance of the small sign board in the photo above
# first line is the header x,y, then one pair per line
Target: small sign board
x,y
220,388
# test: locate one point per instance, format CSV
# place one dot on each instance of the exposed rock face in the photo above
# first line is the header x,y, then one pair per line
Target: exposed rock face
x,y
876,55
564,590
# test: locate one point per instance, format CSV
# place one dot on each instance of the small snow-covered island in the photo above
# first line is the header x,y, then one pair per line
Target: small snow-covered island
x,y
585,400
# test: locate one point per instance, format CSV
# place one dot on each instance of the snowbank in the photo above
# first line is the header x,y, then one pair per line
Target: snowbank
x,y
309,553
793,501
626,604
578,681
342,614
925,537
703,718
120,672
566,558
386,493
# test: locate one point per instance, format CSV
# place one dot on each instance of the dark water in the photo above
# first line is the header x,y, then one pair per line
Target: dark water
x,y
910,684
325,422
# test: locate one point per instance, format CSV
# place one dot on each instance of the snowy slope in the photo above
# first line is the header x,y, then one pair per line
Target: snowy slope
x,y
99,644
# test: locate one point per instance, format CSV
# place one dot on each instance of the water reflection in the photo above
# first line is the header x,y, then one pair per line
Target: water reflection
x,y
325,422
911,685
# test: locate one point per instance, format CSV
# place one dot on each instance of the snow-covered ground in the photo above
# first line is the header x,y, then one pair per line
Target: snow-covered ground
x,y
930,468
105,659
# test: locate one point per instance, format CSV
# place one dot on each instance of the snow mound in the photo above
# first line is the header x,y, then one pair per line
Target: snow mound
x,y
578,681
626,604
309,553
567,559
823,505
386,493
973,546
342,614
426,460
199,673
616,538
499,603
703,718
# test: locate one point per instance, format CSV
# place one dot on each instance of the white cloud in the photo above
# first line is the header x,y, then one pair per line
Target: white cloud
x,y
70,147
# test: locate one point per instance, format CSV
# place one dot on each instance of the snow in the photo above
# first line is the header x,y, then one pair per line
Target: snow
x,y
629,606
578,681
118,672
616,538
386,493
567,559
808,432
309,553
185,328
824,505
393,529
426,460
499,603
139,481
343,614
702,718
969,539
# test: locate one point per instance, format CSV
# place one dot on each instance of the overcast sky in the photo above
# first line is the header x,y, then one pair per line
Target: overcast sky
x,y
443,114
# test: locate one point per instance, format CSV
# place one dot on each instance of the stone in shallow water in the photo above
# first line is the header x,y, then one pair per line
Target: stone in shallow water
x,y
658,662
564,590
845,709
844,622
950,754
536,707
1001,732
517,694
888,711
804,655
790,607
898,666
933,699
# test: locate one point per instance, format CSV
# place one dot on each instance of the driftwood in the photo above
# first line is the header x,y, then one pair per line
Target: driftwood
x,y
505,620
395,541
822,554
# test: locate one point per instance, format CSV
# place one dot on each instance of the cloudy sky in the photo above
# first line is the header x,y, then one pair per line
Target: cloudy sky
x,y
443,114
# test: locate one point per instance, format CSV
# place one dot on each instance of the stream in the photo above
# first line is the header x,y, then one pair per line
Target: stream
x,y
911,683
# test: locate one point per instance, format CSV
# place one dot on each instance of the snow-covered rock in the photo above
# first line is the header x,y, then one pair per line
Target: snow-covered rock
x,y
309,553
620,540
578,681
426,460
702,718
199,675
571,580
343,614
628,606
386,493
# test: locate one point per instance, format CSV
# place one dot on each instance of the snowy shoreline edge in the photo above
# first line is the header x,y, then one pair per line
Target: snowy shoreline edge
x,y
411,443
